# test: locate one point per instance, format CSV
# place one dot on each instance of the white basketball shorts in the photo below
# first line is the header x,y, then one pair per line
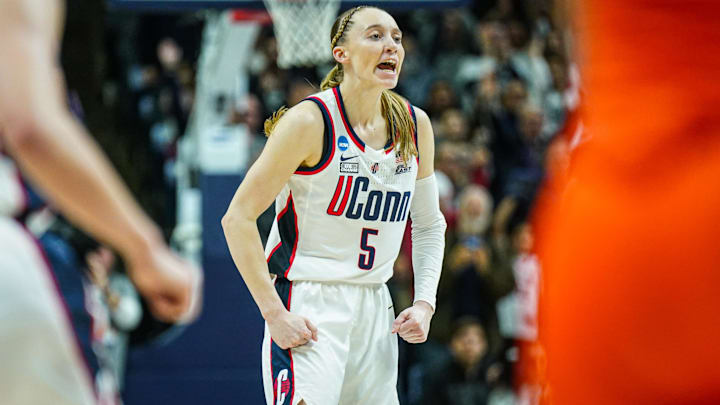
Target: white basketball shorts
x,y
40,360
355,359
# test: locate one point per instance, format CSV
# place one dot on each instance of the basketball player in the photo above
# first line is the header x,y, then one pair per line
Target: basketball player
x,y
346,168
631,313
40,362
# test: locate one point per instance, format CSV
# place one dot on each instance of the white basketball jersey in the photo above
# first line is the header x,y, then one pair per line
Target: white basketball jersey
x,y
344,219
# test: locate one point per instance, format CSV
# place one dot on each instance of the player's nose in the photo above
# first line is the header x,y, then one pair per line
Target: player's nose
x,y
390,45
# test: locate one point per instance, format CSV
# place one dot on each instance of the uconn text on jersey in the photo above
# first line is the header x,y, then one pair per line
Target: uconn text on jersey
x,y
385,206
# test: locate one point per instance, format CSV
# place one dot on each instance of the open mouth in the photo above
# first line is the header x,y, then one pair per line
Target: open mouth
x,y
387,66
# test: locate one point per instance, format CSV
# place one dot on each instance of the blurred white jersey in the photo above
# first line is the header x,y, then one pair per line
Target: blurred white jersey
x,y
41,360
344,219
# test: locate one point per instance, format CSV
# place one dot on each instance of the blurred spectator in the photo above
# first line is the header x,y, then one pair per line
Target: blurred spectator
x,y
555,101
525,175
441,97
522,304
450,159
508,146
468,375
469,273
249,112
453,126
452,42
493,47
474,212
528,60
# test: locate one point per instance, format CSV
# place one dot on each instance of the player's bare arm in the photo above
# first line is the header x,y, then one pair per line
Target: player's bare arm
x,y
60,157
295,141
413,324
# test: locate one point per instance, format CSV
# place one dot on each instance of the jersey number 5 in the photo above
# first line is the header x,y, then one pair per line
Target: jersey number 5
x,y
366,260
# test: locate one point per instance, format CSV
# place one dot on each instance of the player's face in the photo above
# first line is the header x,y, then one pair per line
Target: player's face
x,y
374,47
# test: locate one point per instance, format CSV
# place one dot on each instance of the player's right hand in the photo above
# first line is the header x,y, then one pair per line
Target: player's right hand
x,y
169,283
290,330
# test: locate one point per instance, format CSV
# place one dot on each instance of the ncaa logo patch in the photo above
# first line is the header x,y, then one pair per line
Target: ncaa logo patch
x,y
342,143
375,167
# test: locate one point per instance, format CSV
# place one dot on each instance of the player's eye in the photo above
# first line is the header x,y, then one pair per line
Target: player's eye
x,y
375,35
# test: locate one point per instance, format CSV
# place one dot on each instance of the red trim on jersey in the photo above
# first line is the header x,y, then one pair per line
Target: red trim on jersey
x,y
332,143
358,142
287,205
66,311
273,251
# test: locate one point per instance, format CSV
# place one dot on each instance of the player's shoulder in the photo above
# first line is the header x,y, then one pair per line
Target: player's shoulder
x,y
301,119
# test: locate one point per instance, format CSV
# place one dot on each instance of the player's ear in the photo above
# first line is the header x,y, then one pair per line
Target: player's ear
x,y
340,54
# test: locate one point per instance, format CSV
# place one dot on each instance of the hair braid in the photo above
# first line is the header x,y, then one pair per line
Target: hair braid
x,y
343,25
335,76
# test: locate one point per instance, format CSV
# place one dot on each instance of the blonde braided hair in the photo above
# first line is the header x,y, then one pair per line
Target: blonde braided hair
x,y
335,76
343,25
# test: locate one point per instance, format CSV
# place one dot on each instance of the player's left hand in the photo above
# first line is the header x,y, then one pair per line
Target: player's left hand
x,y
413,324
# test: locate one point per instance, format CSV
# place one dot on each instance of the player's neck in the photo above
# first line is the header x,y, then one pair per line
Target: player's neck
x,y
362,103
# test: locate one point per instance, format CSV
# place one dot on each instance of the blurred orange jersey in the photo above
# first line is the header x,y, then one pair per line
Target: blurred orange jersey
x,y
631,249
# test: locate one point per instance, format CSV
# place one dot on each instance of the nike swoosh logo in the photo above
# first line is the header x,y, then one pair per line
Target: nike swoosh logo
x,y
343,158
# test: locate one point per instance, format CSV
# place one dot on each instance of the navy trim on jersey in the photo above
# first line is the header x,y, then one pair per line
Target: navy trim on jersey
x,y
415,133
281,360
328,140
343,114
282,256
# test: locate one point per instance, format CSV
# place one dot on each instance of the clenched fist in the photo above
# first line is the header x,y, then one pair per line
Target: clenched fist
x,y
413,324
290,330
